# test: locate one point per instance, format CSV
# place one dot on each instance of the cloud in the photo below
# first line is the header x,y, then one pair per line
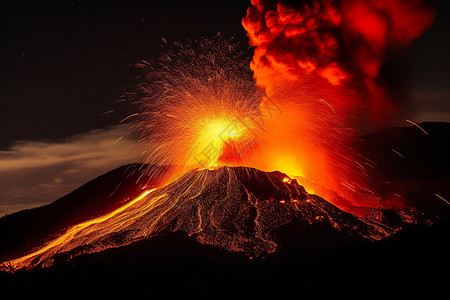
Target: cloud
x,y
34,173
432,105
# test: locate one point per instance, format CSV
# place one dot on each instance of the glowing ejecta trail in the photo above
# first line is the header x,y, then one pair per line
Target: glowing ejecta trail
x,y
398,153
440,197
126,118
415,124
328,104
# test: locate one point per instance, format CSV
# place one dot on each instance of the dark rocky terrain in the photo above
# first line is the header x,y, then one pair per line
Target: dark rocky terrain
x,y
299,243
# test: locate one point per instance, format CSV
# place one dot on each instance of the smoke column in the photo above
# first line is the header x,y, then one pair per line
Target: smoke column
x,y
320,62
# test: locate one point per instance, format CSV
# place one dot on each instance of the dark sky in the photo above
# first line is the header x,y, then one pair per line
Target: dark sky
x,y
429,68
65,63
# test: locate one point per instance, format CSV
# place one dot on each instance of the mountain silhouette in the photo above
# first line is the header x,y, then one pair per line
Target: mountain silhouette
x,y
235,208
214,221
413,163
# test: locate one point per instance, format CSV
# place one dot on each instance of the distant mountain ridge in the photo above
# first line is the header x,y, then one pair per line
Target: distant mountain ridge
x,y
413,162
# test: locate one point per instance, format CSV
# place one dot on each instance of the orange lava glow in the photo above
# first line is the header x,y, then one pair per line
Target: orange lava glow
x,y
202,204
195,107
296,115
199,111
90,229
297,61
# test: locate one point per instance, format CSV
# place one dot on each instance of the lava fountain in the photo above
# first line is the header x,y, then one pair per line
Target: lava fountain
x,y
195,105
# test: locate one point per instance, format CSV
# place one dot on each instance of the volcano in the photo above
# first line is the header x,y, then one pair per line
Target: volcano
x,y
234,208
221,221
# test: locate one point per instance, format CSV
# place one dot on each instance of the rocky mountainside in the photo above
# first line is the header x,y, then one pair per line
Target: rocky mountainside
x,y
314,246
235,208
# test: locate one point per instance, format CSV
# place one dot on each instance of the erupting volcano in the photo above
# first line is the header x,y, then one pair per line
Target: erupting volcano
x,y
237,149
235,208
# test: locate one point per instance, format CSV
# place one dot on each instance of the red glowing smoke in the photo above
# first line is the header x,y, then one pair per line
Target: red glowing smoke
x,y
310,38
369,28
299,61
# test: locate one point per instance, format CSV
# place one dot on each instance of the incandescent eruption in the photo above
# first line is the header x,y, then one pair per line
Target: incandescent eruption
x,y
196,104
311,59
316,67
247,155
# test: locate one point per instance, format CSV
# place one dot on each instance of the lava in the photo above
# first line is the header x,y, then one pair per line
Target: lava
x,y
234,208
67,241
196,105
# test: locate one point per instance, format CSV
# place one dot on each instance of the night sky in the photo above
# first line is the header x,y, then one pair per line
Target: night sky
x,y
64,65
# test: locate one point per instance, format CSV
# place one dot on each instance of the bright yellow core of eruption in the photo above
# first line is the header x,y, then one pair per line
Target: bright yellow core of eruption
x,y
213,136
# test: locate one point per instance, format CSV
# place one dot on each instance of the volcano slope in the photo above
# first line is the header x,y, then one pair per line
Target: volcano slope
x,y
235,208
316,247
30,228
412,162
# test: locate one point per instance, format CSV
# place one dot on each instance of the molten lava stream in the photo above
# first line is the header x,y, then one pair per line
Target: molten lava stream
x,y
86,232
137,219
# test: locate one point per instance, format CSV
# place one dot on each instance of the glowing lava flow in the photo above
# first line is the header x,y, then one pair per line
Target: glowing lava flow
x,y
137,219
236,208
111,222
